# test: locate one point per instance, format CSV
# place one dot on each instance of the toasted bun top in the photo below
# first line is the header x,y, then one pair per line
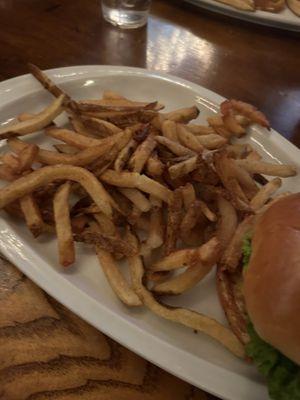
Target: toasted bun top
x,y
272,279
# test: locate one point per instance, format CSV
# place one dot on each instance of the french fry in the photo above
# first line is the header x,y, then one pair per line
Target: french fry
x,y
50,85
48,157
261,167
188,195
183,316
183,115
174,147
245,180
72,138
200,129
106,225
63,225
193,274
112,95
7,173
212,141
99,127
211,216
154,167
32,215
183,168
233,252
265,193
216,122
231,123
135,180
141,154
37,123
188,139
190,219
137,198
169,130
227,223
27,184
25,116
174,217
65,148
116,280
124,155
155,237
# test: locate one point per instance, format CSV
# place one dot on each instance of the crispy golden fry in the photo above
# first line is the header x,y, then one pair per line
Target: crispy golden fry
x,y
211,216
32,215
74,139
188,139
169,130
155,237
183,316
27,184
190,219
193,274
225,170
244,5
135,180
49,85
183,115
118,104
112,95
66,148
137,198
48,157
245,109
183,168
175,211
245,180
188,195
217,123
231,123
82,142
79,223
228,285
176,259
116,280
113,244
200,129
227,223
37,123
233,252
66,249
12,161
212,141
238,150
77,125
265,193
253,156
261,167
174,147
99,127
106,225
124,155
141,154
7,173
154,167
25,116
123,119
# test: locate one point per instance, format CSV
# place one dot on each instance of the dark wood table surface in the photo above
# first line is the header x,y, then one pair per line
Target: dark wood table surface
x,y
235,59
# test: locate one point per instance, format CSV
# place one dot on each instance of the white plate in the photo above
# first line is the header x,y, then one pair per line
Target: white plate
x,y
285,19
83,288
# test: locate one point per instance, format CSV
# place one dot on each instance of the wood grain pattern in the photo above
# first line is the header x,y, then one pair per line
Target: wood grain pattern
x,y
46,352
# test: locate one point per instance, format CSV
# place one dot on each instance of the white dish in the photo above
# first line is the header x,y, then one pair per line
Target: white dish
x,y
83,288
285,19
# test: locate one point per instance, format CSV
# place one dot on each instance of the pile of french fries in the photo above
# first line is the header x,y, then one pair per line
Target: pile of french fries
x,y
170,197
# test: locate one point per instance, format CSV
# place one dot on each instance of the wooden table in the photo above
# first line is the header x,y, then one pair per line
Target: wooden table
x,y
45,351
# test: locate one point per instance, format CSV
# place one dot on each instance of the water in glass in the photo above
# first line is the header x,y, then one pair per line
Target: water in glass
x,y
126,13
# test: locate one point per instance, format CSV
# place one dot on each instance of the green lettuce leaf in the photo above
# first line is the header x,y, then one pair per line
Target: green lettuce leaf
x,y
246,250
282,374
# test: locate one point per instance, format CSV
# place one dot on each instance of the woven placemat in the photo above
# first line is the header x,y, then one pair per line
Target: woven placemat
x,y
47,352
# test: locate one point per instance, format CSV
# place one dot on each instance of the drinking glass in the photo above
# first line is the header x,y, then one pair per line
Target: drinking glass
x,y
126,13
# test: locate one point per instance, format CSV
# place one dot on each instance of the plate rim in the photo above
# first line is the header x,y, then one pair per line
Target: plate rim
x,y
214,379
